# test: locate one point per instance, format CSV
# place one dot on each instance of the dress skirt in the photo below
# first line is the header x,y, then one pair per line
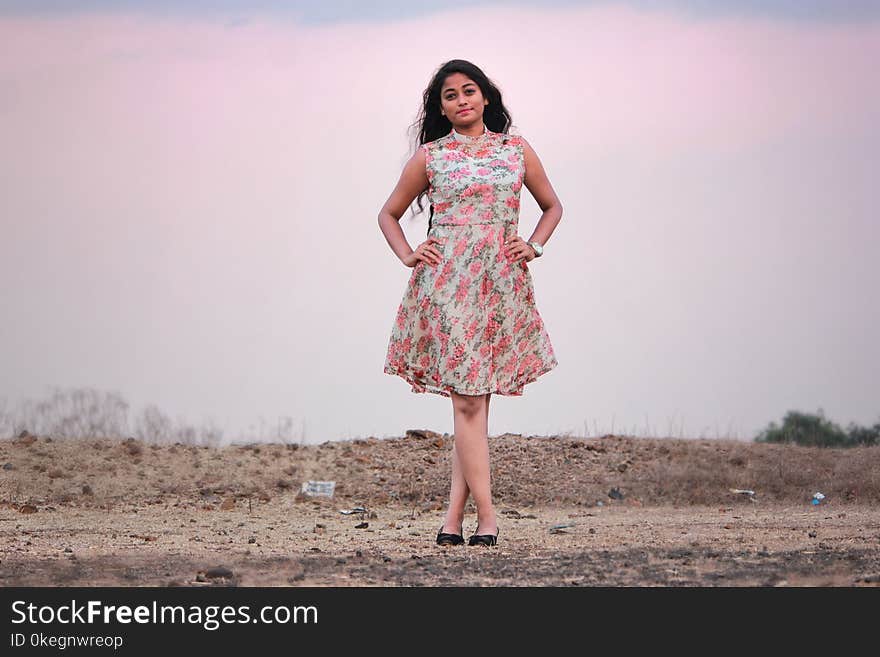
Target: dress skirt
x,y
470,324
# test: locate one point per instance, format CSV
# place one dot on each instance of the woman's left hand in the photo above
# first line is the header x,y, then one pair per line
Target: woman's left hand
x,y
516,248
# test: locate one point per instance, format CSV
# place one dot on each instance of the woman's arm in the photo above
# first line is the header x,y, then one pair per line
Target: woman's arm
x,y
539,185
413,180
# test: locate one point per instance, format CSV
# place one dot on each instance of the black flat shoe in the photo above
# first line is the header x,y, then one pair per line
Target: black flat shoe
x,y
484,539
444,538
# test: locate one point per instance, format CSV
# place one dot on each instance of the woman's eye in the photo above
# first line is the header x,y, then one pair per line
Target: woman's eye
x,y
467,91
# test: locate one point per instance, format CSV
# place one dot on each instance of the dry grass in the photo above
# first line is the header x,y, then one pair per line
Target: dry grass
x,y
415,470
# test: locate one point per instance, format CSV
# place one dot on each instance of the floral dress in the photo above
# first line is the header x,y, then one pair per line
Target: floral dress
x,y
470,324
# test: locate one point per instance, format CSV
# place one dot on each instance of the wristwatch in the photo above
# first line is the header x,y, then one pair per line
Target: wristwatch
x,y
539,250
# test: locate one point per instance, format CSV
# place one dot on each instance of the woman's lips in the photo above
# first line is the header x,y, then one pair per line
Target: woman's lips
x,y
464,111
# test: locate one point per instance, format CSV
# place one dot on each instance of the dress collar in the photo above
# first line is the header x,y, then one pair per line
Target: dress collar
x,y
467,139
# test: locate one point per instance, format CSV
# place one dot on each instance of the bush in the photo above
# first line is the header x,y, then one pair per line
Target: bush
x,y
864,435
816,431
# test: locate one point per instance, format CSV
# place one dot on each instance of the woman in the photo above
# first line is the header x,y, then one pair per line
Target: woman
x,y
468,325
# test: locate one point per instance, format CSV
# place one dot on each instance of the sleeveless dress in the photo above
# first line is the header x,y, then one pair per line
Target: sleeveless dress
x,y
470,324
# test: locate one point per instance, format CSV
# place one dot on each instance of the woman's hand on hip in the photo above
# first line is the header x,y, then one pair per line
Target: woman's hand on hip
x,y
426,252
516,248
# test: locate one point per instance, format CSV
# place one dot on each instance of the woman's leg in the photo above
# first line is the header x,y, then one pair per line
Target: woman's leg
x,y
459,491
458,495
471,421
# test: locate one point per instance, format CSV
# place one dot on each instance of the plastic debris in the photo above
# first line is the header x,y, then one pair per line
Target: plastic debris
x,y
357,509
817,497
615,494
318,488
744,491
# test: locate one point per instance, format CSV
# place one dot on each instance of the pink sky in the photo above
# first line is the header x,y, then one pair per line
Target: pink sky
x,y
189,212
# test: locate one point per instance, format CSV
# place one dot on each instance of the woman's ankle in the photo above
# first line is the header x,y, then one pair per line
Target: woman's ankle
x,y
487,523
453,521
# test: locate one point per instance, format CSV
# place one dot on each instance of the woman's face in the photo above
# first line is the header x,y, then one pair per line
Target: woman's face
x,y
460,93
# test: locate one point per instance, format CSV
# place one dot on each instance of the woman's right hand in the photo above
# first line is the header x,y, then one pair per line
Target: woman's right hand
x,y
424,251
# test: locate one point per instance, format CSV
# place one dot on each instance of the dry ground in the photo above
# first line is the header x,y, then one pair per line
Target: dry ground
x,y
608,511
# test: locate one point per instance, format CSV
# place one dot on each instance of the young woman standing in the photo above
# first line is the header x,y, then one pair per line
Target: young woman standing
x,y
468,325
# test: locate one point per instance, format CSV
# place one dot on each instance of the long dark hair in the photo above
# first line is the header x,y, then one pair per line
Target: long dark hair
x,y
431,124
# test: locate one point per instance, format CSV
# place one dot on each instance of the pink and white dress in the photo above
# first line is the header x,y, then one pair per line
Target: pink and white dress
x,y
470,325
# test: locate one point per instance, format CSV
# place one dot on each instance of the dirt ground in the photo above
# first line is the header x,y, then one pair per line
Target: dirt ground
x,y
75,514
300,544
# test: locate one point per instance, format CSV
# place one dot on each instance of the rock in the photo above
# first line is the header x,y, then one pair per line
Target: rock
x,y
228,504
422,434
218,572
27,508
26,439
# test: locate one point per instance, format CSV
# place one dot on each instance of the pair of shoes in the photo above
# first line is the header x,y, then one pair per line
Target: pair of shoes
x,y
484,539
445,538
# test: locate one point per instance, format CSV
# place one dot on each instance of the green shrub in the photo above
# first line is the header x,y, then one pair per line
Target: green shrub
x,y
816,431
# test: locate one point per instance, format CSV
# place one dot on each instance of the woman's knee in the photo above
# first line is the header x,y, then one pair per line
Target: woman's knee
x,y
469,405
